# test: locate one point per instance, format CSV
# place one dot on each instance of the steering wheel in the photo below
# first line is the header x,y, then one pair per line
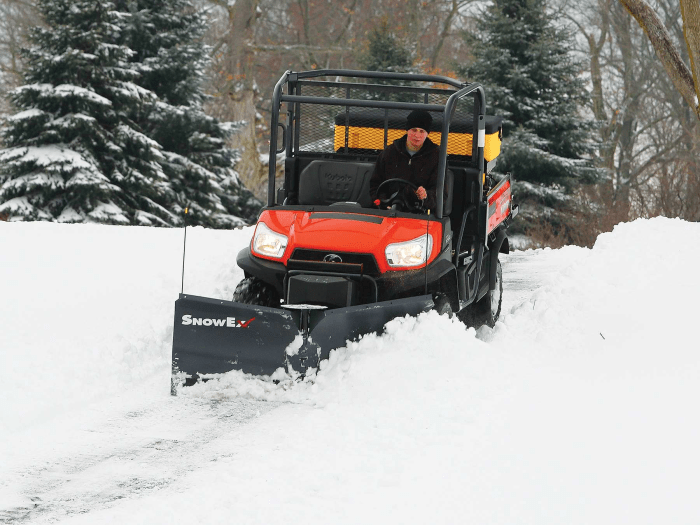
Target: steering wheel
x,y
398,196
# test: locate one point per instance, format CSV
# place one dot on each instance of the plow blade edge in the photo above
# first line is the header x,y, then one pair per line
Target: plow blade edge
x,y
212,336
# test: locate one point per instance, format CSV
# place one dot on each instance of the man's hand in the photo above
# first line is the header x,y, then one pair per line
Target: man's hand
x,y
421,193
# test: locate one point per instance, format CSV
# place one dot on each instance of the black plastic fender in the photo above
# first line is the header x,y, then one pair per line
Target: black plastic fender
x,y
494,250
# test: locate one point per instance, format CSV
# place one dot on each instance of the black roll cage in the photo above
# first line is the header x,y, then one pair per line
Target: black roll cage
x,y
291,78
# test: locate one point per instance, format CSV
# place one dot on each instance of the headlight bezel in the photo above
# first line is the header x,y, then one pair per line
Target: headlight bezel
x,y
398,254
264,242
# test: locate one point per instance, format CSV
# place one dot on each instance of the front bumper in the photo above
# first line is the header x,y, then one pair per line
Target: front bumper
x,y
389,286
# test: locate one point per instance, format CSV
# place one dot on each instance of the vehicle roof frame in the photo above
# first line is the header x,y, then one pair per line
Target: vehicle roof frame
x,y
463,90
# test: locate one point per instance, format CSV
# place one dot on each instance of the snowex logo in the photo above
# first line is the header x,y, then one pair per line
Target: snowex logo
x,y
226,322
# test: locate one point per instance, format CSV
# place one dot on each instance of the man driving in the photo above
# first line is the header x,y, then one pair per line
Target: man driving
x,y
413,157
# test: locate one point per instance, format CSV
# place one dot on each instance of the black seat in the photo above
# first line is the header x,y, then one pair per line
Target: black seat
x,y
326,182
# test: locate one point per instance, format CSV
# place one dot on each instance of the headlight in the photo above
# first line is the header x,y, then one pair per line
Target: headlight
x,y
410,253
269,243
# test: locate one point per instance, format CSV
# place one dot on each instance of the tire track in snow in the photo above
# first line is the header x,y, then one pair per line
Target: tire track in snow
x,y
129,457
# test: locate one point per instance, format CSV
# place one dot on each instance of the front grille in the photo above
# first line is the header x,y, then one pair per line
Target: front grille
x,y
369,264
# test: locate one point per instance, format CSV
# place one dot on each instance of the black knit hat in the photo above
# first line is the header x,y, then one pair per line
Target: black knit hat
x,y
419,119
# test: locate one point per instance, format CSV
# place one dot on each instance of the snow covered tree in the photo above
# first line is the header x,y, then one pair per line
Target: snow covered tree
x,y
525,60
75,153
170,58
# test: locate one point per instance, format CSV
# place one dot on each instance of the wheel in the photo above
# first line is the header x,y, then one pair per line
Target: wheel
x,y
442,305
252,290
487,310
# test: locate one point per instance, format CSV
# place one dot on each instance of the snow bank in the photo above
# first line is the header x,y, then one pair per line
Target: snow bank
x,y
87,310
576,408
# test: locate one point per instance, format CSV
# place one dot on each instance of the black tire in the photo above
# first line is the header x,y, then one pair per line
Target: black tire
x,y
488,309
442,305
252,290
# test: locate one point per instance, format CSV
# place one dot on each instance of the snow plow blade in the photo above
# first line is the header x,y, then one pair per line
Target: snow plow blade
x,y
212,336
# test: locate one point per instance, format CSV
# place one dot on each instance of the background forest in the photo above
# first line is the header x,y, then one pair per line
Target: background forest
x,y
597,128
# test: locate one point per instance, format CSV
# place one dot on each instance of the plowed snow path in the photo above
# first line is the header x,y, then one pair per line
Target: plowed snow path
x,y
111,455
139,443
526,271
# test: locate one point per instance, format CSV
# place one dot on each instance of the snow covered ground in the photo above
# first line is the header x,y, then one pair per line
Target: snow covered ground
x,y
580,406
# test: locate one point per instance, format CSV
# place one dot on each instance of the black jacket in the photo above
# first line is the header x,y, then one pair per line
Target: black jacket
x,y
421,169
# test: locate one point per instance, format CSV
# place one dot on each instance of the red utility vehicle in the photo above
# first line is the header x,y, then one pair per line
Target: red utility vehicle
x,y
325,264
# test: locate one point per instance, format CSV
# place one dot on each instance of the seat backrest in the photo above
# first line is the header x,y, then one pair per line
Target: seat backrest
x,y
325,182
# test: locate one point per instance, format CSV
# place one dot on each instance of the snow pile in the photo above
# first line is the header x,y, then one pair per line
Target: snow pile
x,y
624,299
87,309
577,408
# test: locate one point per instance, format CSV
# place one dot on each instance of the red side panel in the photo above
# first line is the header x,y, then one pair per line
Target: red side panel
x,y
499,204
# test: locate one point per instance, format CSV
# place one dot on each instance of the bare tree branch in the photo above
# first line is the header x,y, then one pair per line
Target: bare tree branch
x,y
348,22
677,70
446,26
305,17
295,47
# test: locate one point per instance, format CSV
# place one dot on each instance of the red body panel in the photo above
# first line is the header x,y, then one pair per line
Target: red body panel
x,y
311,230
499,204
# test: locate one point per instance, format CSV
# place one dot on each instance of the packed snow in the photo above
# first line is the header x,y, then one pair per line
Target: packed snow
x,y
578,407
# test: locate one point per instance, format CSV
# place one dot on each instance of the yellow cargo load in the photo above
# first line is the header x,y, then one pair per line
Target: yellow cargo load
x,y
366,132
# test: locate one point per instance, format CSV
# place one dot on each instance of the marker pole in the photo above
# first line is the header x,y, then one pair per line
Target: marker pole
x,y
184,248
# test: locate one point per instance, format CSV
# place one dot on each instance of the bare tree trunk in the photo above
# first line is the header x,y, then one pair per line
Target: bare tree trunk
x,y
444,32
235,86
685,81
312,61
596,46
625,131
414,9
690,11
16,18
347,25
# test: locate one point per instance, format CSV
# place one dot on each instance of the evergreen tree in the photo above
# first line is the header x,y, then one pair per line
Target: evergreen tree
x,y
385,52
166,37
75,153
526,63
